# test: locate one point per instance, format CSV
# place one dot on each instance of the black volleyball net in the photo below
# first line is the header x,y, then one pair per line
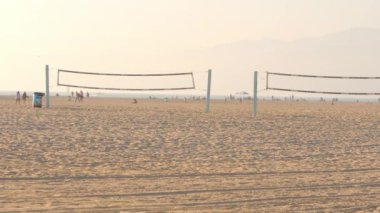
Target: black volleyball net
x,y
126,82
322,84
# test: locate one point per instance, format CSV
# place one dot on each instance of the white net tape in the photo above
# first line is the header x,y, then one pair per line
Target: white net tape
x,y
315,82
129,82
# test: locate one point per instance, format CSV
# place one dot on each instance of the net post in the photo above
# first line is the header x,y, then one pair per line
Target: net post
x,y
208,92
47,86
58,77
254,100
192,78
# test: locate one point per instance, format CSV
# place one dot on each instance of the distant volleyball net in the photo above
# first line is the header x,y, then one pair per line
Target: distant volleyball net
x,y
322,84
126,82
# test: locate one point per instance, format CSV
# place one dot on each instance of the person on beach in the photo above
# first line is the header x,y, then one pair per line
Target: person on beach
x,y
77,96
24,96
18,97
81,96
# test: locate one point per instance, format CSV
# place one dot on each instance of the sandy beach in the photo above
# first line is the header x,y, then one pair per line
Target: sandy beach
x,y
111,155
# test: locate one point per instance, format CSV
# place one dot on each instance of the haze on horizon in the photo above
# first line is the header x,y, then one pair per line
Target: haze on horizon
x,y
184,35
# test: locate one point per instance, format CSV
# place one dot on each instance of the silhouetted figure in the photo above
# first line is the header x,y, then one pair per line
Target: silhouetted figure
x,y
18,97
81,96
24,96
78,97
134,101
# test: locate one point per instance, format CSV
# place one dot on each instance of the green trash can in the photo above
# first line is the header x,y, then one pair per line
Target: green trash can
x,y
37,99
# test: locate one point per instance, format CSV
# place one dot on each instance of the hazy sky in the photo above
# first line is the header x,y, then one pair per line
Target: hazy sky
x,y
120,34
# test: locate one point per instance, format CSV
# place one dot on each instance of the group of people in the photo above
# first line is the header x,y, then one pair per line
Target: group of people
x,y
79,96
20,97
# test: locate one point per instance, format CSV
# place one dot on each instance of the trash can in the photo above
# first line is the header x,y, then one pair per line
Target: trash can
x,y
37,99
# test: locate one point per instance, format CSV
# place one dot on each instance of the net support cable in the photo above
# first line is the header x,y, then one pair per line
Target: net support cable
x,y
319,76
126,89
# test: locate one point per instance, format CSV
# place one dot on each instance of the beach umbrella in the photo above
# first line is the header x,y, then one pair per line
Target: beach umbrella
x,y
242,94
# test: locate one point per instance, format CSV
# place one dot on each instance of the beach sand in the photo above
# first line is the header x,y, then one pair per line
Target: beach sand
x,y
112,155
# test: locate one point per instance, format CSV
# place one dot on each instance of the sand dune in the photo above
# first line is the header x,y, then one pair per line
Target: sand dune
x,y
112,155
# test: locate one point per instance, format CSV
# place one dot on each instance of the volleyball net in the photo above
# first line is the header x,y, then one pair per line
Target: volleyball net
x,y
322,84
126,82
